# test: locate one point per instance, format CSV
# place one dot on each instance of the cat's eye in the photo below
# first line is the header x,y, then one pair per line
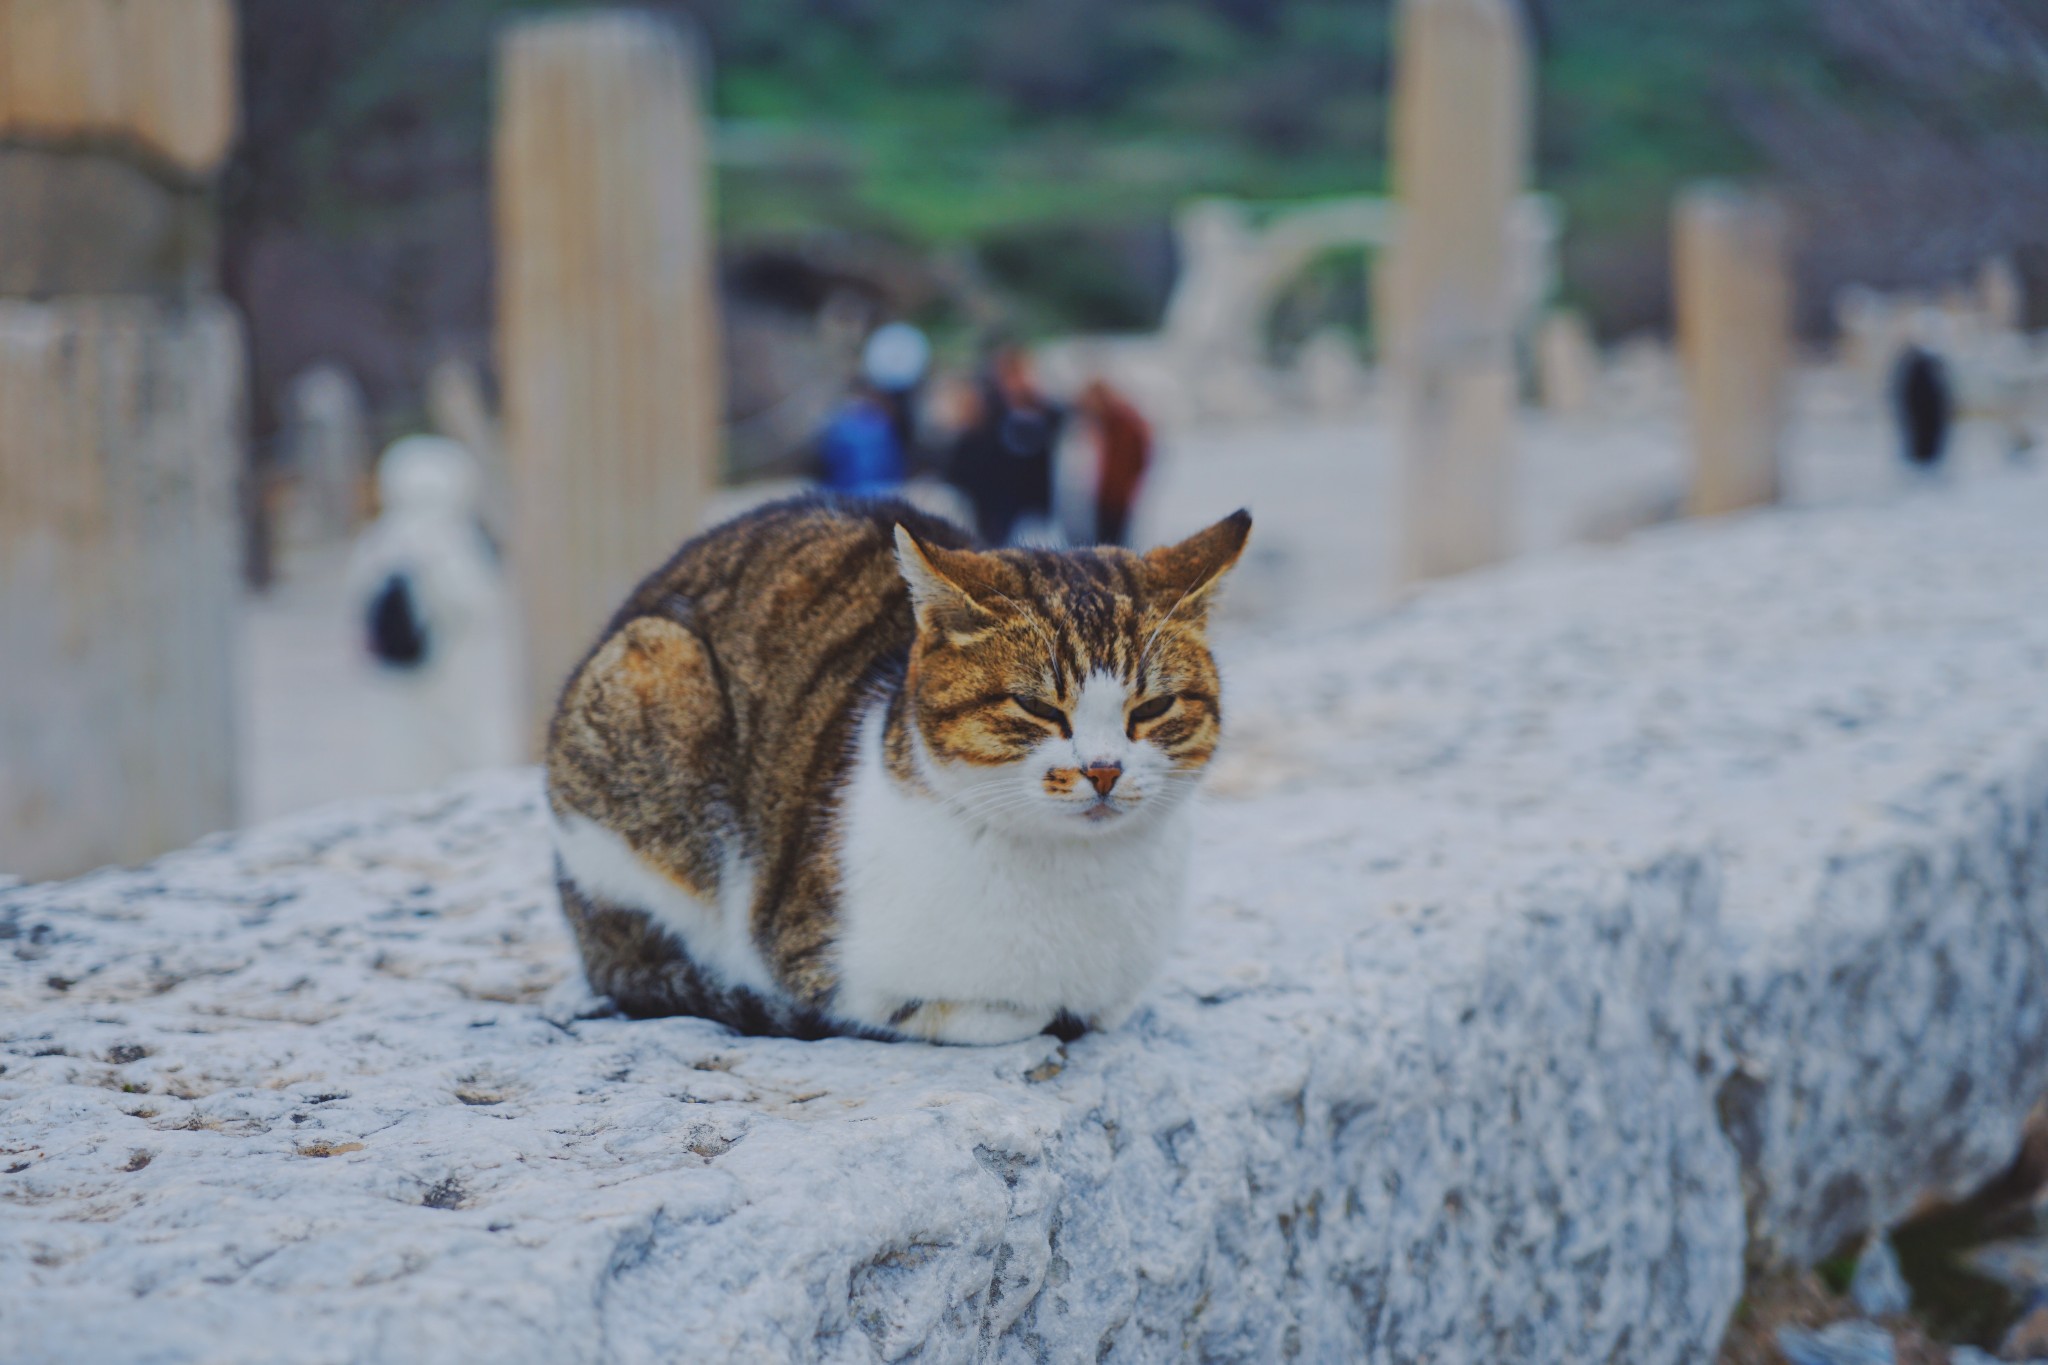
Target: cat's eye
x,y
1148,710
1051,714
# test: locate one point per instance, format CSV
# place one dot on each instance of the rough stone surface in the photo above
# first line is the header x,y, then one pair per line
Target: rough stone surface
x,y
1879,1287
1508,901
1841,1343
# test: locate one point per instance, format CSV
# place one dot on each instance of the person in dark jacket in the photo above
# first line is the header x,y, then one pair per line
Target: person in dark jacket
x,y
1003,459
1923,404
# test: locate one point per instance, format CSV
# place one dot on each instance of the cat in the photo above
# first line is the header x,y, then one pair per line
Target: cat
x,y
830,770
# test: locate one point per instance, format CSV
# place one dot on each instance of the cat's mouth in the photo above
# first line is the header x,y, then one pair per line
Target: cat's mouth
x,y
1101,811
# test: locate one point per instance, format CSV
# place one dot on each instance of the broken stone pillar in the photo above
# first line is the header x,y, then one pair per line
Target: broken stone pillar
x,y
1734,302
1212,317
1332,377
157,75
2001,296
330,453
458,409
84,224
1567,363
608,354
1461,151
121,385
1865,326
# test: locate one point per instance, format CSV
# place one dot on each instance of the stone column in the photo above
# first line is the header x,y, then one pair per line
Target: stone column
x,y
458,409
607,318
155,74
1567,363
121,385
329,446
1461,152
2001,296
1733,301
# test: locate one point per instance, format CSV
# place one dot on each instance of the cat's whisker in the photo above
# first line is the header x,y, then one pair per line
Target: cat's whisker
x,y
972,807
979,802
990,816
1146,652
1004,802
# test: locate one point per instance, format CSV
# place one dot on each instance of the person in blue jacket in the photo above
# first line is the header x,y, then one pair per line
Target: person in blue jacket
x,y
859,449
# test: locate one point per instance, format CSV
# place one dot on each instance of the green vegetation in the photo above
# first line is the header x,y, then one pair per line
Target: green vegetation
x,y
947,122
1025,129
939,122
942,121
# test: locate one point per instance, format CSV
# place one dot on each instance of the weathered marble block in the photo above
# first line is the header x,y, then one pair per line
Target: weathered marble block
x,y
1559,940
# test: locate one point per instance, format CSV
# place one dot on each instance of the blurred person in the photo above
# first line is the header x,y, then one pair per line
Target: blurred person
x,y
433,612
860,450
895,361
1123,452
1003,459
1923,404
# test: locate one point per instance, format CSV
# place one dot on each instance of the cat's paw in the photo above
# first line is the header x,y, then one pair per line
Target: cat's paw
x,y
971,1023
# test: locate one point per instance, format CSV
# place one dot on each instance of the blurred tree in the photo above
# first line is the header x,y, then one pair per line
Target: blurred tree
x,y
1064,56
1913,134
1944,45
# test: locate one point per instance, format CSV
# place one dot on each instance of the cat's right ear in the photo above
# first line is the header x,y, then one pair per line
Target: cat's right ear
x,y
939,595
1184,574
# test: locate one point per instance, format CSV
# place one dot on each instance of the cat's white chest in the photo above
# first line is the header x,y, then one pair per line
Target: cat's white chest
x,y
937,908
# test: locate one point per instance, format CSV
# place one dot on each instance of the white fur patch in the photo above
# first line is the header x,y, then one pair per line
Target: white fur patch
x,y
990,900
716,936
1098,723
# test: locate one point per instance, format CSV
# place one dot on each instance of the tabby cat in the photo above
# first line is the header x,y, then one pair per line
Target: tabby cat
x,y
831,770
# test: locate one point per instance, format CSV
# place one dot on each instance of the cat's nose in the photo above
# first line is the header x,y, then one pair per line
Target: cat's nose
x,y
1103,776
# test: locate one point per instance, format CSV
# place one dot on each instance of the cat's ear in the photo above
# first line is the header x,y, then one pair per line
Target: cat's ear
x,y
1181,576
941,586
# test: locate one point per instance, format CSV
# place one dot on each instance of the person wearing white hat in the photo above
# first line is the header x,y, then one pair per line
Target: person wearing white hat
x,y
431,605
896,357
894,363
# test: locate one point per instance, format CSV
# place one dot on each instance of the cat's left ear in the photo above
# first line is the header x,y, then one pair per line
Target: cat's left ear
x,y
941,587
1183,575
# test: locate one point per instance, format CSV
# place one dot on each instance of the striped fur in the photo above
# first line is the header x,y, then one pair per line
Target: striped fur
x,y
830,770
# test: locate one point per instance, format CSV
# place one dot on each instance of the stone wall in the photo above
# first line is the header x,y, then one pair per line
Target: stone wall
x,y
1560,940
